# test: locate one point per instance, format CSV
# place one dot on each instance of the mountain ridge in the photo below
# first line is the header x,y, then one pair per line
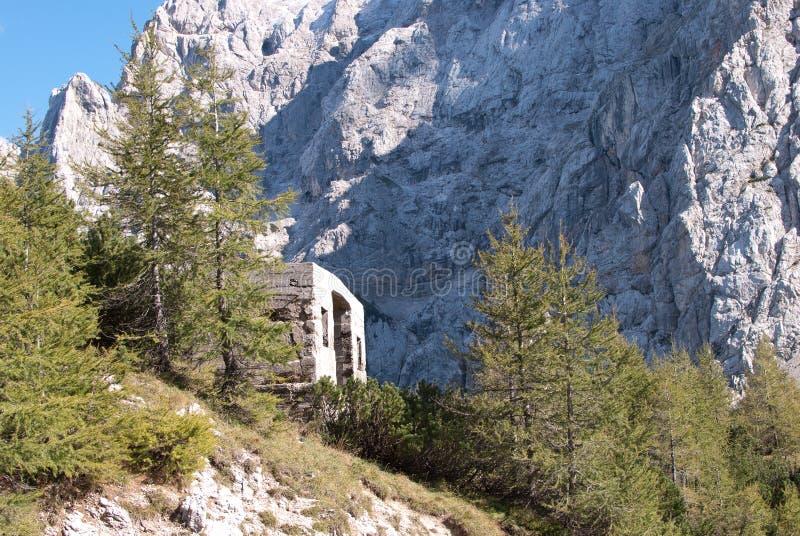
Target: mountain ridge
x,y
659,135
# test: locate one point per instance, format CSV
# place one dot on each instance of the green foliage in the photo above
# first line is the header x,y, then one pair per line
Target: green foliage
x,y
765,437
367,418
57,417
150,191
268,519
769,412
788,513
692,409
440,443
227,309
114,266
750,517
18,514
255,410
167,445
562,391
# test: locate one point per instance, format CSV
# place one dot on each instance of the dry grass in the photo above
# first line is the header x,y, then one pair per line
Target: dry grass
x,y
305,467
337,479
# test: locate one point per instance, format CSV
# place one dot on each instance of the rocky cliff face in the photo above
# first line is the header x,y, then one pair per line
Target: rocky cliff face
x,y
78,114
6,148
658,134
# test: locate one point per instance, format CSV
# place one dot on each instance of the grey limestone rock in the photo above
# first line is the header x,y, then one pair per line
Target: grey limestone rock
x,y
660,135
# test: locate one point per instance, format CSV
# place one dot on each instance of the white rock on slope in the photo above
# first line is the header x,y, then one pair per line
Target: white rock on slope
x,y
214,507
659,134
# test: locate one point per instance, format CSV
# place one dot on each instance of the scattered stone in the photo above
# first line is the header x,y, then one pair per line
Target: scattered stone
x,y
74,525
193,409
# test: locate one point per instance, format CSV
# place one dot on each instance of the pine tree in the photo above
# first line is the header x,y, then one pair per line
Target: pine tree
x,y
507,346
57,416
692,405
561,389
231,313
150,189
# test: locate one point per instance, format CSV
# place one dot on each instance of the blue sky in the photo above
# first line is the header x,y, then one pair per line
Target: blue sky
x,y
44,42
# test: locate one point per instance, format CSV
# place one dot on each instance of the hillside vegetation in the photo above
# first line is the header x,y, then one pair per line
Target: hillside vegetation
x,y
127,344
568,428
284,481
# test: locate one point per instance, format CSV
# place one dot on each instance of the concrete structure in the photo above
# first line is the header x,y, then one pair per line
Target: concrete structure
x,y
327,324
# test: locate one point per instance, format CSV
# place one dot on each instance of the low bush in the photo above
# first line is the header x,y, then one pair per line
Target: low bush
x,y
422,432
18,514
366,418
169,446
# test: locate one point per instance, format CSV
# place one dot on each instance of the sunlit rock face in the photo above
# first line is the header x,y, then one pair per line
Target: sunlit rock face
x,y
659,135
7,150
80,112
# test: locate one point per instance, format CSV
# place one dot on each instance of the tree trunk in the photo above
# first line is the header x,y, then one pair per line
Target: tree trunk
x,y
232,365
162,357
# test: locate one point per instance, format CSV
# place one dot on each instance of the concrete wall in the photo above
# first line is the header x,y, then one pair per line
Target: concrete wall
x,y
309,297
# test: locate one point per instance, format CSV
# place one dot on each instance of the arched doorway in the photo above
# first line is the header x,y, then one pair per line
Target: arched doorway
x,y
342,338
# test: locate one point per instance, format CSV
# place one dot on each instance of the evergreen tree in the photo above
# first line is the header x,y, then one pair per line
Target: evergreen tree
x,y
770,408
621,488
507,348
751,516
562,390
231,314
57,417
788,514
150,189
765,440
589,376
693,418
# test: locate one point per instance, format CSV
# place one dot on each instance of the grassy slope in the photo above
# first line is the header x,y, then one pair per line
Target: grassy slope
x,y
305,467
338,479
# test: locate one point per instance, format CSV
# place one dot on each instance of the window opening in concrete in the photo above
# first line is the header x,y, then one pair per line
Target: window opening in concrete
x,y
342,338
325,341
360,350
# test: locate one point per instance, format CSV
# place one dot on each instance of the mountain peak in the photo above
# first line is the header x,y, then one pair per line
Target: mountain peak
x,y
659,142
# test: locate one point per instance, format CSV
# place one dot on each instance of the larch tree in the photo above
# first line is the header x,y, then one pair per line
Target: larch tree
x,y
57,416
507,343
561,389
150,190
230,313
693,416
590,375
766,436
770,408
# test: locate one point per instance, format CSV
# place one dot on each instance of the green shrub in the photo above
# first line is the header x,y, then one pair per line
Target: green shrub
x,y
169,446
366,418
18,514
425,432
268,519
59,425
